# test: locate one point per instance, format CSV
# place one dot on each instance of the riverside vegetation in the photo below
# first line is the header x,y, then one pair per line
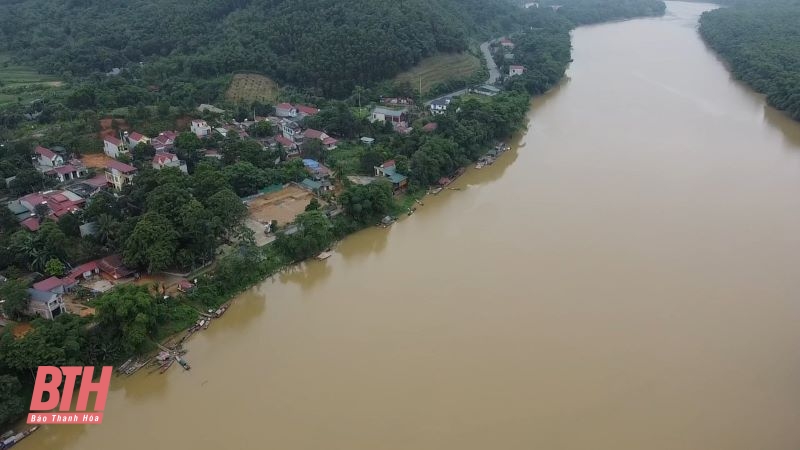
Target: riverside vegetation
x,y
761,42
167,219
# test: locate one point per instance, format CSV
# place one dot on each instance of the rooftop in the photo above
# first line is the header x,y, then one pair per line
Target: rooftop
x,y
46,152
120,166
389,112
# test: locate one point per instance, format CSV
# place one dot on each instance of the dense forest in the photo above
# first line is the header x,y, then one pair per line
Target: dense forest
x,y
326,45
761,42
585,12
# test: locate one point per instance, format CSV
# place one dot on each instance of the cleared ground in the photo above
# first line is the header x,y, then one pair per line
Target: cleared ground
x,y
97,160
282,206
439,68
249,87
20,82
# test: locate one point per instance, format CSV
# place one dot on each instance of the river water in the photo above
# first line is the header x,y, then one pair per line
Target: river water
x,y
626,278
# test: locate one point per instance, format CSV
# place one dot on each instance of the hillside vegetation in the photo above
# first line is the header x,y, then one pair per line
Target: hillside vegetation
x,y
761,42
440,68
326,45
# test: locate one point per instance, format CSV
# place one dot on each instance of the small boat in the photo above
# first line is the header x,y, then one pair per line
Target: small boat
x,y
167,365
323,256
205,325
183,363
220,312
479,165
436,190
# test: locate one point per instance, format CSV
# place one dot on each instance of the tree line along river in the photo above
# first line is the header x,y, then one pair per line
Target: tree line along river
x,y
624,278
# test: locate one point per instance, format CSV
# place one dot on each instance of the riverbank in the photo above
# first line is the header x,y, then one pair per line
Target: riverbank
x,y
460,140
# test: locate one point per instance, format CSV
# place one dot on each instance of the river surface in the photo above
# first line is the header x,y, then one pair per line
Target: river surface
x,y
626,278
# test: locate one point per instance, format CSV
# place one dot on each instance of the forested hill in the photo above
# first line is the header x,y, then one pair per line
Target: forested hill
x,y
325,44
585,12
761,42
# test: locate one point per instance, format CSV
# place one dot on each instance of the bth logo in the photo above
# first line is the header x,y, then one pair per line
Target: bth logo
x,y
49,379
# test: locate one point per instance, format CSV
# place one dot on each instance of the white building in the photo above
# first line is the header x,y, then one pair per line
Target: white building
x,y
200,128
47,305
113,147
165,159
515,70
48,158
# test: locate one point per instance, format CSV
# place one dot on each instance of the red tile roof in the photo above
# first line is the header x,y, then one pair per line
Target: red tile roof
x,y
135,136
517,67
46,152
69,168
307,110
432,126
31,223
120,166
113,266
284,141
162,158
286,106
97,181
329,141
48,284
112,140
77,272
313,134
387,164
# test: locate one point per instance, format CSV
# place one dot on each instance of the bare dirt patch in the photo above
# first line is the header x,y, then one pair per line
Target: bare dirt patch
x,y
282,206
96,160
249,87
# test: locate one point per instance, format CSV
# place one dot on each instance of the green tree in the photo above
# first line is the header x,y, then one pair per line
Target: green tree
x,y
152,244
367,203
54,267
130,314
262,129
14,296
29,180
313,205
14,403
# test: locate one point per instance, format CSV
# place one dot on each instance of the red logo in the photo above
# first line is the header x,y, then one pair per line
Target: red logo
x,y
49,378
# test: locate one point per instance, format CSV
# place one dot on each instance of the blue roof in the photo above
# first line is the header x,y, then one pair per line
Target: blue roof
x,y
396,177
310,163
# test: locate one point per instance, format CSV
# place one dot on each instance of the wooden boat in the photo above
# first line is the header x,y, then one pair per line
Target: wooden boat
x,y
183,363
323,256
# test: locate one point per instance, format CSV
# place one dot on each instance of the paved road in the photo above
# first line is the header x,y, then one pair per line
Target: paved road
x,y
494,74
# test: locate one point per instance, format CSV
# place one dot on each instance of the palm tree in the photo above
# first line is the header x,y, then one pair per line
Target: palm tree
x,y
107,228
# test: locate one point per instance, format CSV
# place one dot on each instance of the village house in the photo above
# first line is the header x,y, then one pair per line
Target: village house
x,y
67,172
200,128
164,159
304,110
439,106
393,116
285,110
55,285
83,272
119,174
47,157
397,101
52,204
486,89
328,142
388,170
113,266
135,139
319,172
515,70
506,43
291,130
164,142
290,147
113,147
47,305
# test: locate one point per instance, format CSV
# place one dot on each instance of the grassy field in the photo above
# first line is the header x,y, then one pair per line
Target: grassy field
x,y
19,82
249,87
439,68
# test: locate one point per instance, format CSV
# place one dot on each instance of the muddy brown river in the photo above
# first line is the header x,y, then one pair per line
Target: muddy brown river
x,y
626,278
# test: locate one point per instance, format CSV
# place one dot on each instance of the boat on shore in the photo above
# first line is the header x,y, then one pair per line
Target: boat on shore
x,y
9,439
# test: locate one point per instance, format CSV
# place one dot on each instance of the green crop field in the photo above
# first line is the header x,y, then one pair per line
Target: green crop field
x,y
440,68
249,87
19,82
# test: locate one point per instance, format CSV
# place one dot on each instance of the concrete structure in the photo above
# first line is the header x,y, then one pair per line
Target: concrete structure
x,y
114,147
164,159
45,304
119,174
